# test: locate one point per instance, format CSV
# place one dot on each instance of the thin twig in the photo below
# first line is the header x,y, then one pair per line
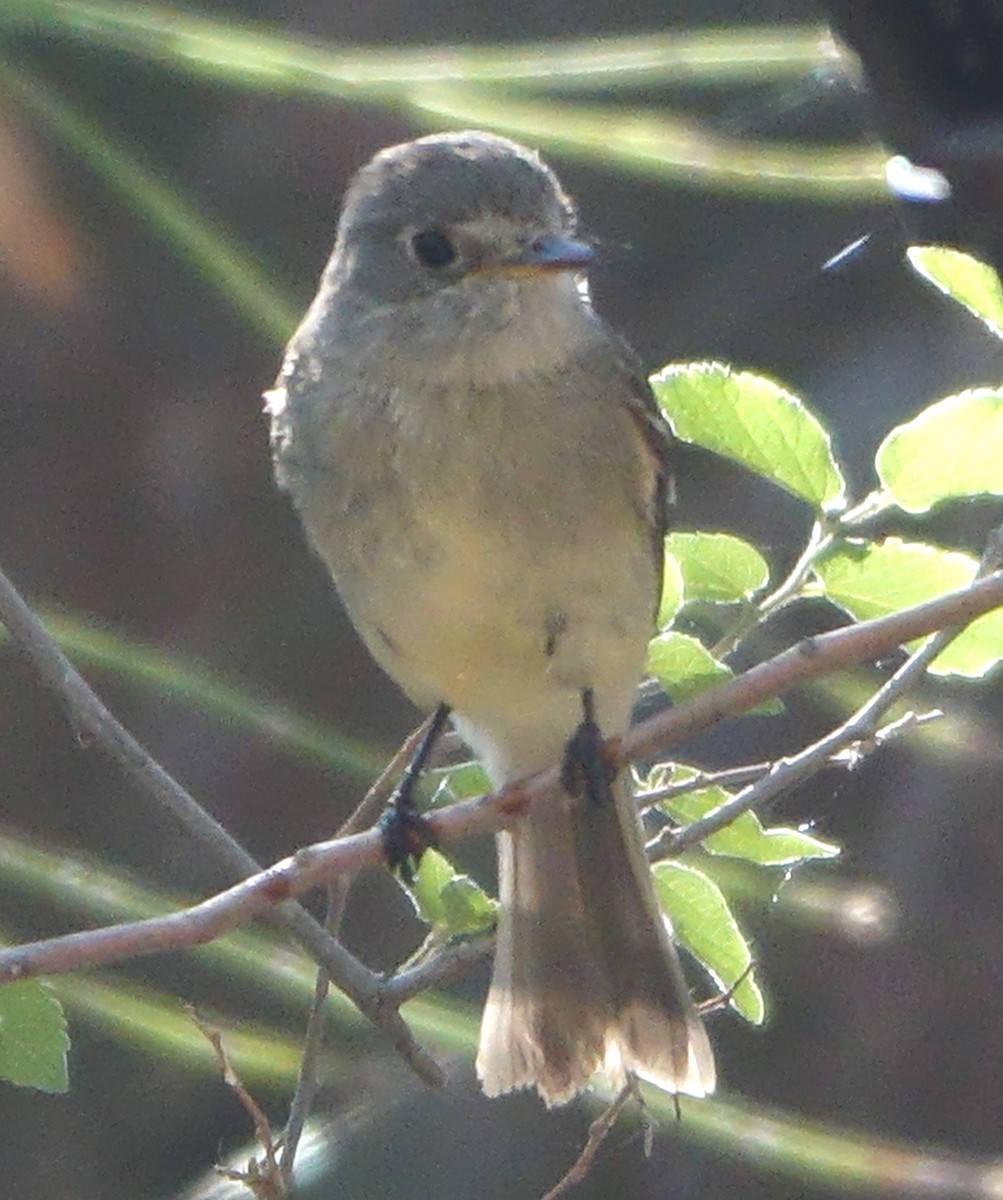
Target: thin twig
x,y
317,865
455,959
861,728
809,659
598,1132
307,1077
849,753
727,777
262,1176
307,1081
822,536
89,716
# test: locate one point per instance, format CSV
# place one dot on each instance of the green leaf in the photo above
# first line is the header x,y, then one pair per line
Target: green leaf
x,y
717,566
704,923
755,422
953,448
449,902
433,874
468,908
683,665
966,280
745,837
976,652
33,1039
872,579
672,591
463,781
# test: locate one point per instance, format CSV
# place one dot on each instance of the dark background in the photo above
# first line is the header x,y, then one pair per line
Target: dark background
x,y
135,486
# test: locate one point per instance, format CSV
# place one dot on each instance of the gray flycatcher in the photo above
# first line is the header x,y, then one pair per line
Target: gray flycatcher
x,y
481,464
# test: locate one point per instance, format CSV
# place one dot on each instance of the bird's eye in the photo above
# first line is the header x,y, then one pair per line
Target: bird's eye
x,y
433,249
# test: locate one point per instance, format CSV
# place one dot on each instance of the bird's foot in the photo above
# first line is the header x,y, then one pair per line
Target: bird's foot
x,y
405,832
586,768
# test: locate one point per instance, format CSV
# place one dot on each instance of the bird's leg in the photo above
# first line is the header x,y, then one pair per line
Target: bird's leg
x,y
586,768
406,833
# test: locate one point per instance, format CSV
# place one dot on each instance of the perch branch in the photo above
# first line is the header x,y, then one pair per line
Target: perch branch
x,y
318,864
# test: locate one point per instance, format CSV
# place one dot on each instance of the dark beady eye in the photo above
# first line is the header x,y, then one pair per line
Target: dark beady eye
x,y
433,249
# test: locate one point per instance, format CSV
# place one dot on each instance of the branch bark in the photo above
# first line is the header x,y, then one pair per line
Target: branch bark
x,y
91,719
319,864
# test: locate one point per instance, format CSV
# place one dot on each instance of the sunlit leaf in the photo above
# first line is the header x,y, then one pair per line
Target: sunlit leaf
x,y
717,566
966,280
448,901
462,781
683,665
745,837
873,579
703,922
953,448
434,872
755,422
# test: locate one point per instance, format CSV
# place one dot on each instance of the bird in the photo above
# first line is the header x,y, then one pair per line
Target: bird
x,y
479,461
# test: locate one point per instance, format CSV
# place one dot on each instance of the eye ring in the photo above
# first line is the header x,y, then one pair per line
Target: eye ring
x,y
433,249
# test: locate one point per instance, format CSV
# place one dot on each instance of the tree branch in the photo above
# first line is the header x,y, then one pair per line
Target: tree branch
x,y
787,772
319,864
809,659
89,716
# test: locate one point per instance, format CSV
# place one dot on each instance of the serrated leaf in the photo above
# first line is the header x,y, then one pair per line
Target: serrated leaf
x,y
745,837
672,591
449,902
33,1038
964,279
683,665
872,579
755,422
703,922
953,448
717,566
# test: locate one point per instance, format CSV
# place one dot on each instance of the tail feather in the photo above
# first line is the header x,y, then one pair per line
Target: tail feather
x,y
546,1013
656,1030
672,1053
586,974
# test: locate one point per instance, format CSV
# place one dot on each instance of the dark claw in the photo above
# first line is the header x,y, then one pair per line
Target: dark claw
x,y
405,832
585,768
406,836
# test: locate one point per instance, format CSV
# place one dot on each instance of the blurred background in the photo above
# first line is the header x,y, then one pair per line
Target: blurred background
x,y
136,491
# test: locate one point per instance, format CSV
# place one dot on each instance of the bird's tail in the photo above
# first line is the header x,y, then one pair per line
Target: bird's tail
x,y
586,974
